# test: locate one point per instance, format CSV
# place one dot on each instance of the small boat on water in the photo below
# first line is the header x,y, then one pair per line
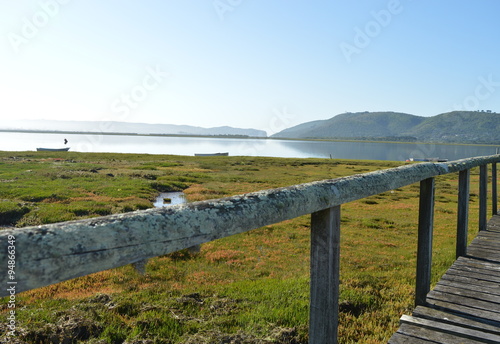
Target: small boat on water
x,y
211,154
65,149
428,159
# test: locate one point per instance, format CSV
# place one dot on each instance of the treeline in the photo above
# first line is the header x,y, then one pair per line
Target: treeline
x,y
369,138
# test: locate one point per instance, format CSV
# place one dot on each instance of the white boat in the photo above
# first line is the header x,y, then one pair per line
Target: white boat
x,y
65,149
428,159
211,154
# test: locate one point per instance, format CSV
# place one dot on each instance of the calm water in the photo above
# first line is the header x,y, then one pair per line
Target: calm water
x,y
174,197
250,147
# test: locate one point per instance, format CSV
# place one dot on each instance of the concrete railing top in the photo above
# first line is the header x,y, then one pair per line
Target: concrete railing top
x,y
56,252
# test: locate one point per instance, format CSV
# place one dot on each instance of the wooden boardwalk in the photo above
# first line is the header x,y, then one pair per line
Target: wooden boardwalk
x,y
464,306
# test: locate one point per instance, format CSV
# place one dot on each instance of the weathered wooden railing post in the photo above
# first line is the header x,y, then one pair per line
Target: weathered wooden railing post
x,y
483,196
325,270
424,250
463,212
494,195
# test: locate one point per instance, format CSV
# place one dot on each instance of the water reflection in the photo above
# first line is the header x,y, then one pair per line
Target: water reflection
x,y
169,198
243,147
384,150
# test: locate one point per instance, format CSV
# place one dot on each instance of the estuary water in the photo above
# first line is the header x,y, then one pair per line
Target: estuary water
x,y
237,147
166,199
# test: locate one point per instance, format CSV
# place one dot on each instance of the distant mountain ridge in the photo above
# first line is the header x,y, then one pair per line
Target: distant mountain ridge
x,y
452,127
125,127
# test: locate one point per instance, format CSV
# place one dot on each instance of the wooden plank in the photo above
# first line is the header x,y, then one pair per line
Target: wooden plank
x,y
493,300
481,274
424,249
480,268
471,286
461,332
490,269
450,318
487,243
453,302
484,254
487,316
433,336
465,301
491,232
486,239
487,246
469,280
485,250
494,223
472,260
400,338
487,236
494,228
465,262
325,274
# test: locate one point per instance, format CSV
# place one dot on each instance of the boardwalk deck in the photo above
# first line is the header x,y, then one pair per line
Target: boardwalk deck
x,y
464,306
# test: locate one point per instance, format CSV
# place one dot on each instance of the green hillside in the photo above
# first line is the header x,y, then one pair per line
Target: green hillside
x,y
298,130
459,126
456,126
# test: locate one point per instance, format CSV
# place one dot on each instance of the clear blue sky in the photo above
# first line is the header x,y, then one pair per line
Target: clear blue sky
x,y
245,63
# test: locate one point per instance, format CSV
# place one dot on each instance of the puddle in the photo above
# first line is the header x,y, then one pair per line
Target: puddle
x,y
172,198
169,198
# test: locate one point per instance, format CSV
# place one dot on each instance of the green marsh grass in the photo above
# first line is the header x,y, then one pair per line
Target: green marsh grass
x,y
248,288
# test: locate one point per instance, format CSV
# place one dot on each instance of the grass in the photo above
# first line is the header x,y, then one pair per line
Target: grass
x,y
248,288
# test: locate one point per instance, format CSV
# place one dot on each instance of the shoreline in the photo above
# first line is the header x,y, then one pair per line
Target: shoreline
x,y
243,137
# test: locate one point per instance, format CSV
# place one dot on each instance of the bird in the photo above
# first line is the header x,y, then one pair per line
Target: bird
x,y
65,141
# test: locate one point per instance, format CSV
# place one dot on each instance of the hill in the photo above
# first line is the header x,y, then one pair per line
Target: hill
x,y
456,127
459,126
125,127
355,125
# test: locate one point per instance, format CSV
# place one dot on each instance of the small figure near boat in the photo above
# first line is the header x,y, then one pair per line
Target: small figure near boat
x,y
65,141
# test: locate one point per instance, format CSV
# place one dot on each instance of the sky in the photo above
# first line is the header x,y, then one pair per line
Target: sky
x,y
263,64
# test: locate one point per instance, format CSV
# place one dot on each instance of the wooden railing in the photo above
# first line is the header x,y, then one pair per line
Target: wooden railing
x,y
48,254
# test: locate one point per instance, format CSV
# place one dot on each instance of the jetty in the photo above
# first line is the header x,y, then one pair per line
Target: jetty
x,y
464,306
